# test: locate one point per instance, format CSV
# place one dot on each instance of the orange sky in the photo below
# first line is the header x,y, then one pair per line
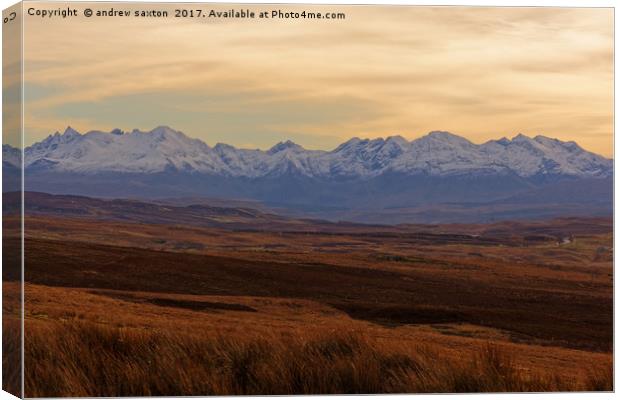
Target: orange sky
x,y
482,73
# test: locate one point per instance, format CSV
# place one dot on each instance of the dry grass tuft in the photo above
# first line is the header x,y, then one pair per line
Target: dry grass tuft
x,y
86,359
11,356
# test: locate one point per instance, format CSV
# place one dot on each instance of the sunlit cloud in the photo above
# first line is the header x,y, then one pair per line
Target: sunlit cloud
x,y
480,72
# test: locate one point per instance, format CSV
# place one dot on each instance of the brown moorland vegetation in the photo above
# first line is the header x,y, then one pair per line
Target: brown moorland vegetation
x,y
215,309
85,359
97,344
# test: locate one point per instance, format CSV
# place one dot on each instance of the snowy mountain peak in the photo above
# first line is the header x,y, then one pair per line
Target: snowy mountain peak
x,y
71,132
397,141
521,138
445,137
351,143
283,146
11,155
163,130
57,138
223,146
551,142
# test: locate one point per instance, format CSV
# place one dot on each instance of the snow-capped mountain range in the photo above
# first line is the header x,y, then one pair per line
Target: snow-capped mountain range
x,y
440,177
436,154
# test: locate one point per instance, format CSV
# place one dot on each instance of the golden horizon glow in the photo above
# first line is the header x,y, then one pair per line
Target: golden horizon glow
x,y
481,73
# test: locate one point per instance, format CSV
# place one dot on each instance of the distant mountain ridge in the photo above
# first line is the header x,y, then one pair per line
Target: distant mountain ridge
x,y
361,180
436,154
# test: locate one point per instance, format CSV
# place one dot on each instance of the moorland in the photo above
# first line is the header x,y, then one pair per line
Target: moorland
x,y
127,297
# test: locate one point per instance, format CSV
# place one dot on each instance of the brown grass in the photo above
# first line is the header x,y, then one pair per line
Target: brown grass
x,y
547,309
143,309
11,356
86,359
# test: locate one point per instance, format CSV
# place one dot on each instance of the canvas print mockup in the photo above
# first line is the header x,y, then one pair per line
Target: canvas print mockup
x,y
269,199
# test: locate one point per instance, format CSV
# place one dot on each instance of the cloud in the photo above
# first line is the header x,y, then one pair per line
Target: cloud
x,y
482,72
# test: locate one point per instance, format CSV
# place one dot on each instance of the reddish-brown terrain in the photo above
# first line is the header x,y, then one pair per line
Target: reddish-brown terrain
x,y
129,298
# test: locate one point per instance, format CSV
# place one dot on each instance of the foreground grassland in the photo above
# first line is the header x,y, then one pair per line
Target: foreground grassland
x,y
116,308
94,360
